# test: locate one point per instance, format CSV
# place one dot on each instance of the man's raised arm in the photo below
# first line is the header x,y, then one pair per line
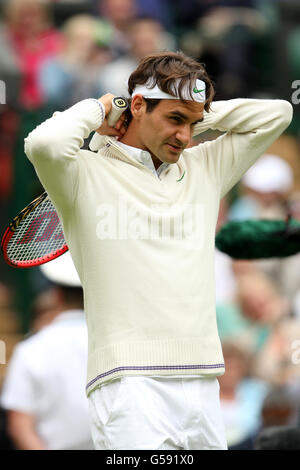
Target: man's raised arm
x,y
53,145
250,127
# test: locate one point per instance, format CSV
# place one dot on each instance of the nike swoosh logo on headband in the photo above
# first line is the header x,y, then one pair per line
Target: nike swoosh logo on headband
x,y
198,91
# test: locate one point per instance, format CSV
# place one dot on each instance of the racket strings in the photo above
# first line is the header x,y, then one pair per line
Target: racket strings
x,y
37,235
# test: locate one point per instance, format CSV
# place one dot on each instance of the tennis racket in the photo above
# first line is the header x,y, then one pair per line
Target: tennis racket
x,y
35,235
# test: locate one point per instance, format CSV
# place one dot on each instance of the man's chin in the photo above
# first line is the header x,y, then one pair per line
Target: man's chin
x,y
172,157
168,157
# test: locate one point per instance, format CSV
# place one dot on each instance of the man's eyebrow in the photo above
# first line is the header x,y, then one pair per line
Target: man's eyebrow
x,y
179,114
198,120
184,117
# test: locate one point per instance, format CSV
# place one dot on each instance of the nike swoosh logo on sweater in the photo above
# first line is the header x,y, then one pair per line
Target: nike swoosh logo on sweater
x,y
181,177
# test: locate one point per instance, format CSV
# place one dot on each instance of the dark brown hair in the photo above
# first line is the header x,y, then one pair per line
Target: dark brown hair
x,y
163,69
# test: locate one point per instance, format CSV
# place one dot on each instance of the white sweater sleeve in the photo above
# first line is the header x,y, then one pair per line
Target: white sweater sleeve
x,y
250,127
52,148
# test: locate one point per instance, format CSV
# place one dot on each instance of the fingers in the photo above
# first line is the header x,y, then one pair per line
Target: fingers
x,y
119,126
115,132
120,121
110,131
106,100
118,130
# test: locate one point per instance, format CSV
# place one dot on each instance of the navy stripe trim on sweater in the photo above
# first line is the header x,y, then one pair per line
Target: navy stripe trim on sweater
x,y
118,369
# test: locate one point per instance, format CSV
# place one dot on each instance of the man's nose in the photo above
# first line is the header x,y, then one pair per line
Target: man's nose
x,y
184,134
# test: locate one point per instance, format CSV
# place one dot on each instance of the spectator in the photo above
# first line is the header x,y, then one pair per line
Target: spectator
x,y
278,438
72,75
161,10
29,39
10,72
241,395
145,35
118,14
222,34
9,121
228,32
265,194
26,39
258,308
280,409
185,11
45,309
44,387
278,360
265,189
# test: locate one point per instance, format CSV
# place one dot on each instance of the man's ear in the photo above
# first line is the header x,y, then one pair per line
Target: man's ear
x,y
138,106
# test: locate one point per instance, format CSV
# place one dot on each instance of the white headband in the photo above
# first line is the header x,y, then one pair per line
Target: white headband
x,y
198,92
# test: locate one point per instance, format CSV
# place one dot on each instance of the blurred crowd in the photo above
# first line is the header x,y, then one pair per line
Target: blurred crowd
x,y
55,53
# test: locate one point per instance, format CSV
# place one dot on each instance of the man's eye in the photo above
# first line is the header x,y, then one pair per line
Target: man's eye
x,y
175,119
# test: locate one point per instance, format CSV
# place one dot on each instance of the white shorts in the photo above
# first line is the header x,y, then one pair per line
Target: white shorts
x,y
157,413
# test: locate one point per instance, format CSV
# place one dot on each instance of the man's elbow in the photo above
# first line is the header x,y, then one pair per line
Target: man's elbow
x,y
37,145
285,113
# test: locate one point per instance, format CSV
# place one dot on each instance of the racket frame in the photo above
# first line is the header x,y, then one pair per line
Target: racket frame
x,y
9,232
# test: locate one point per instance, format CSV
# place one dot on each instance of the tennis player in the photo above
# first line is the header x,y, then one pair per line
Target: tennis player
x,y
139,217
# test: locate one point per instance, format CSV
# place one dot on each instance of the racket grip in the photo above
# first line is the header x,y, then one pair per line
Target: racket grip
x,y
118,106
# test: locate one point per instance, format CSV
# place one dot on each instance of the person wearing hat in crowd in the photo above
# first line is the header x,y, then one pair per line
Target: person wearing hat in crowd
x,y
265,191
265,187
139,217
44,389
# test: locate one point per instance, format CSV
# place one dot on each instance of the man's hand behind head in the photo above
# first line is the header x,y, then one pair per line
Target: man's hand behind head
x,y
118,130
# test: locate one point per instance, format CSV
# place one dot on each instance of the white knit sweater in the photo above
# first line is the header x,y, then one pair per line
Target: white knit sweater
x,y
143,246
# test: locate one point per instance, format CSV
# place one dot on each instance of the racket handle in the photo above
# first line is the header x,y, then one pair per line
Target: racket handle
x,y
118,106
